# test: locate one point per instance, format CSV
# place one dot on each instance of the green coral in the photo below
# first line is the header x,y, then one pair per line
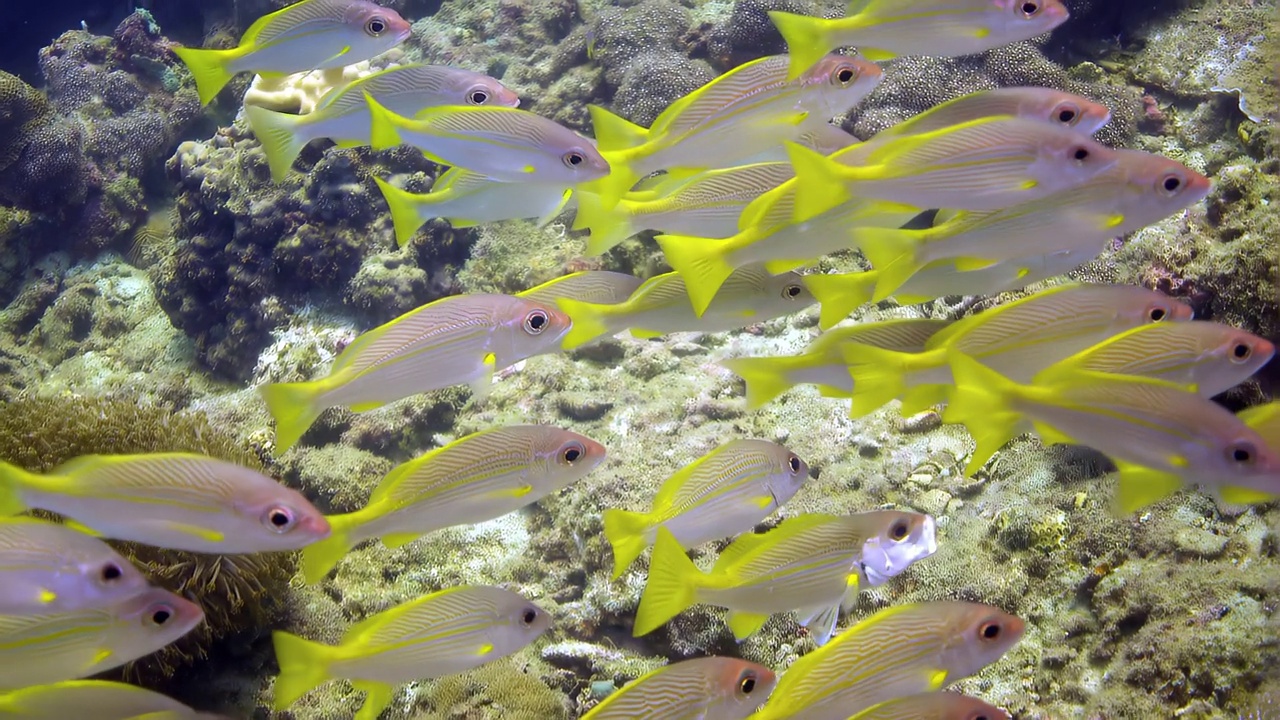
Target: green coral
x,y
238,592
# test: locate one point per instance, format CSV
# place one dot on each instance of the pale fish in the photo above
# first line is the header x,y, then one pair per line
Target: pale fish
x,y
661,306
985,164
467,199
901,650
723,493
473,479
308,35
940,705
883,29
708,688
842,293
40,649
458,340
501,143
1209,358
824,139
1140,189
705,205
603,287
444,633
741,113
813,564
179,501
96,699
343,114
822,361
1032,103
47,568
1017,340
1160,435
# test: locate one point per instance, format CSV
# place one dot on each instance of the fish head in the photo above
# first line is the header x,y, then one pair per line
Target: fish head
x,y
1243,453
279,518
1028,18
473,88
1065,158
108,577
976,636
151,620
1228,346
1146,188
902,539
840,82
571,456
740,683
522,622
373,25
581,160
790,472
783,294
1061,108
535,327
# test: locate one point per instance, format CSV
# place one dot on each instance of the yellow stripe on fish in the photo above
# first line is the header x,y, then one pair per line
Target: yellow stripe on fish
x,y
46,567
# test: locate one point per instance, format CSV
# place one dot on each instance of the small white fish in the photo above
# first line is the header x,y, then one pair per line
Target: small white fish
x,y
47,568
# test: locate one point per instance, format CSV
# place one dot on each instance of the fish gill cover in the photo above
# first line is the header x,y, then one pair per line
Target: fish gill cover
x,y
1003,276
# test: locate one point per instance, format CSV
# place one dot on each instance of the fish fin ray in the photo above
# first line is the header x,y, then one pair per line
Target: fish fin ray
x,y
209,68
892,252
588,322
625,532
671,587
807,40
978,401
278,134
763,382
839,295
403,205
304,665
294,408
701,263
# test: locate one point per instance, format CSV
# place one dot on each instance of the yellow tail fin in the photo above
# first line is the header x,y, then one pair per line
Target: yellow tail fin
x,y
671,587
625,531
608,226
807,40
879,376
892,252
12,478
979,402
701,263
303,665
280,137
819,186
614,132
404,210
319,558
590,321
209,68
377,697
840,294
293,405
382,128
764,377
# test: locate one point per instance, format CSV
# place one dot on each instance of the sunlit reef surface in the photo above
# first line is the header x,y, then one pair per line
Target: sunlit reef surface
x,y
146,258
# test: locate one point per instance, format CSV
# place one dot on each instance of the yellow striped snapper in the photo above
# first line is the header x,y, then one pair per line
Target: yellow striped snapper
x,y
456,340
741,113
1160,435
444,633
467,199
939,705
40,649
179,501
883,29
343,114
824,139
308,35
1208,357
603,287
706,205
842,293
1265,420
48,568
96,699
661,306
822,361
813,564
1017,340
1138,190
723,493
898,651
1041,104
708,688
984,164
473,479
501,143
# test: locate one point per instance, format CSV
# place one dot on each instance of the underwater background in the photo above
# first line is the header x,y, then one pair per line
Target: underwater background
x,y
153,277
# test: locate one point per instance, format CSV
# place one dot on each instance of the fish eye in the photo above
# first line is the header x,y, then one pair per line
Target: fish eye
x,y
159,615
791,292
1240,352
529,616
794,463
376,25
899,530
572,452
989,631
478,97
1170,184
747,683
573,158
111,571
1241,453
536,321
278,519
979,717
1068,114
844,75
1030,9
1156,314
1080,154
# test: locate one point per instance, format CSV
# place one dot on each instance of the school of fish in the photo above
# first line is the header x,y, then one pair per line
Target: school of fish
x,y
747,182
